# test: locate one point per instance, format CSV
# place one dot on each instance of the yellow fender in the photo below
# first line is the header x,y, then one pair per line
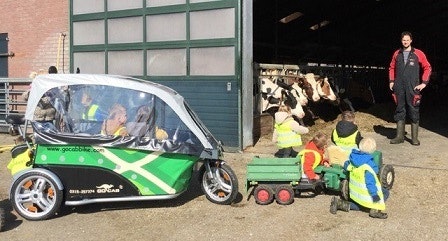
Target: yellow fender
x,y
19,163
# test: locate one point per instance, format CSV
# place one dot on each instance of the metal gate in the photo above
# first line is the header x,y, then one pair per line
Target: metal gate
x,y
11,101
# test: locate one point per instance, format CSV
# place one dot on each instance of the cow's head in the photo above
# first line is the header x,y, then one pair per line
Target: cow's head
x,y
324,89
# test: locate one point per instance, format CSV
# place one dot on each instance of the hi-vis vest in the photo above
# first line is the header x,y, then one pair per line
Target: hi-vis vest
x,y
90,113
317,159
285,136
358,187
116,133
346,143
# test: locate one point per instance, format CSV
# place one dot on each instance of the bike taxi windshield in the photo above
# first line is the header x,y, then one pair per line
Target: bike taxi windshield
x,y
101,114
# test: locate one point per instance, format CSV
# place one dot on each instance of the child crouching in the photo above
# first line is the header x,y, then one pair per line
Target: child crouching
x,y
364,186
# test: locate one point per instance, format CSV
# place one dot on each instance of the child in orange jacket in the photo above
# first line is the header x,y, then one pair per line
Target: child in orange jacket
x,y
313,156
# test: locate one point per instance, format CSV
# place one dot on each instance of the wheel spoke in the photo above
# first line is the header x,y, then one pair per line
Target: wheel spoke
x,y
24,198
40,185
213,187
221,182
43,204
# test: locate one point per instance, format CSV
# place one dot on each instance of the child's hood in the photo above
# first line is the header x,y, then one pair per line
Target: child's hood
x,y
281,117
346,128
358,158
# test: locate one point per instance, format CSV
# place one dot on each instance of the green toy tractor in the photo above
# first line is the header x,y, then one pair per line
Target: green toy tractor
x,y
281,179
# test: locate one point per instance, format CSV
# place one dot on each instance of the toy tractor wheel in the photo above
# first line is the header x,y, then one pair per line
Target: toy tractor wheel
x,y
263,194
387,176
35,196
284,194
344,190
2,219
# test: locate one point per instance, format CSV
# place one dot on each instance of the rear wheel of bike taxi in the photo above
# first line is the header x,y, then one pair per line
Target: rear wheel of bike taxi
x,y
36,196
221,185
2,219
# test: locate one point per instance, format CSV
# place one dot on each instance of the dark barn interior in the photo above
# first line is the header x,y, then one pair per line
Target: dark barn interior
x,y
353,32
353,40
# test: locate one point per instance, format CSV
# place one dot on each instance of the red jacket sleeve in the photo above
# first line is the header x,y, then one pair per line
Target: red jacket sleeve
x,y
392,66
308,165
424,63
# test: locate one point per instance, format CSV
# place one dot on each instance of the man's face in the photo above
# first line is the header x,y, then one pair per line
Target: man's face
x,y
406,41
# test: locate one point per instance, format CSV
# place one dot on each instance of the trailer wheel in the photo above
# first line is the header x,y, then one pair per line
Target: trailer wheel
x,y
344,190
263,194
387,176
284,194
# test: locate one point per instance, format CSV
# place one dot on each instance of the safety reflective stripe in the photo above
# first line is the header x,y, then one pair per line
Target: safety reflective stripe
x,y
90,113
285,136
358,189
317,158
347,143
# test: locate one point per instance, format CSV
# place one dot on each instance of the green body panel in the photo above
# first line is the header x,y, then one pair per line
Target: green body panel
x,y
153,173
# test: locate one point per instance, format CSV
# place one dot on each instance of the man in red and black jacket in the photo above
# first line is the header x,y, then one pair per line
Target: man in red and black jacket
x,y
404,81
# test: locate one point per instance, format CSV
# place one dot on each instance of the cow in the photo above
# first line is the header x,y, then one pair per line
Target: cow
x,y
325,90
273,95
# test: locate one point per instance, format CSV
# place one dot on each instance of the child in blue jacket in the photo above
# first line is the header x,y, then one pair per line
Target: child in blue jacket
x,y
364,186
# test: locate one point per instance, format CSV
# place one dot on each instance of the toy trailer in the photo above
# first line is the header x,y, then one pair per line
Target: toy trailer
x,y
278,178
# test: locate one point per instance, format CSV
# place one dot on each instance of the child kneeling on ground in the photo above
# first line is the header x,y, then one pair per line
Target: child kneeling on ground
x,y
364,186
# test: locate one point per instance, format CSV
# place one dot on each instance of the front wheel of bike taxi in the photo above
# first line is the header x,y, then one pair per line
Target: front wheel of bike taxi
x,y
218,182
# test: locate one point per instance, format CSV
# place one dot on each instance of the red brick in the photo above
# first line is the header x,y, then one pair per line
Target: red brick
x,y
33,28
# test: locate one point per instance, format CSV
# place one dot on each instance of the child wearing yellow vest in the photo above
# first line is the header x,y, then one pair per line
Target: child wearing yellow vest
x,y
313,155
345,137
287,133
364,186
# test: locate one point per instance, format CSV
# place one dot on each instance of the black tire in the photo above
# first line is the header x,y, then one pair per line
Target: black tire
x,y
35,196
345,193
284,194
222,187
387,176
263,194
2,219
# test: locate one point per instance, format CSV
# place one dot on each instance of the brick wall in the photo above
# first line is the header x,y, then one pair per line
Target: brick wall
x,y
34,28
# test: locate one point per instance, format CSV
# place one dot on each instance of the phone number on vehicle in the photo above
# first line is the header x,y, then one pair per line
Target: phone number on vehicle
x,y
81,191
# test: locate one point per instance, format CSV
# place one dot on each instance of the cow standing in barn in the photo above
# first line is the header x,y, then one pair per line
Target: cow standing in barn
x,y
273,95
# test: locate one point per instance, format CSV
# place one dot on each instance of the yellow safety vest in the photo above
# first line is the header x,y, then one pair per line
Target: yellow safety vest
x,y
317,158
358,188
285,136
116,133
90,113
346,143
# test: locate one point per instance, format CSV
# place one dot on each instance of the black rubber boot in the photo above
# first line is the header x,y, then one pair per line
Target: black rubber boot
x,y
374,213
414,134
339,204
400,133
